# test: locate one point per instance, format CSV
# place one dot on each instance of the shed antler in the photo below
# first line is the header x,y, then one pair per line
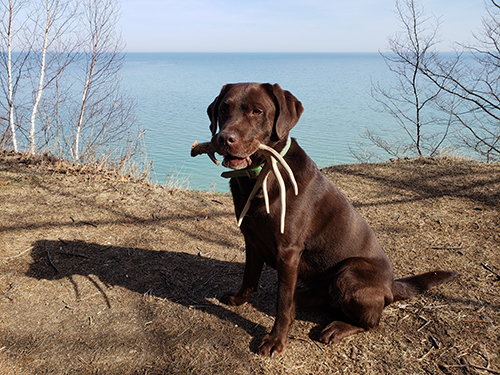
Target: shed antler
x,y
204,148
272,159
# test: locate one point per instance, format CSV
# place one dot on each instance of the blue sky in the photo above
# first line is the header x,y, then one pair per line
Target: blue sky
x,y
281,25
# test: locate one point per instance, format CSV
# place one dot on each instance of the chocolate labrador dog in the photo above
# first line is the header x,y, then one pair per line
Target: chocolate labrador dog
x,y
325,254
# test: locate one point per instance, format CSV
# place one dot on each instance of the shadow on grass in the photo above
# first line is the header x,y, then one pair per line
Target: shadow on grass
x,y
430,178
190,280
182,278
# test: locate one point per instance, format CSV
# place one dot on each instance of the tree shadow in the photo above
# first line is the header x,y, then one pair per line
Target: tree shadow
x,y
190,280
461,179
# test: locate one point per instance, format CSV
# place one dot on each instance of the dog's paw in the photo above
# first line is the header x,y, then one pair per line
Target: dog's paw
x,y
330,335
271,346
232,299
336,331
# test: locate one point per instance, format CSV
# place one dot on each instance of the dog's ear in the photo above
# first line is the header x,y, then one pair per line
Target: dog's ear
x,y
288,111
213,109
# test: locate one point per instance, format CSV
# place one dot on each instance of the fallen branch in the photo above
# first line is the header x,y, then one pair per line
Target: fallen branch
x,y
51,262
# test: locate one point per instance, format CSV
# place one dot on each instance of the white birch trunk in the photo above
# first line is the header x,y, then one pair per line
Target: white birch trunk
x,y
40,84
9,73
76,154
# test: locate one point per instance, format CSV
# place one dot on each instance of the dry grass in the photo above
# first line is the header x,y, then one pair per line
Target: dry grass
x,y
100,275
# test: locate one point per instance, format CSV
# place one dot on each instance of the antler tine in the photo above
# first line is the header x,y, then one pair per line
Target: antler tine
x,y
281,184
204,148
283,163
266,196
272,160
262,176
271,165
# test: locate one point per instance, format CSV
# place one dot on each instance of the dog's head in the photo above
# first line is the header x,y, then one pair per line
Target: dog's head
x,y
247,115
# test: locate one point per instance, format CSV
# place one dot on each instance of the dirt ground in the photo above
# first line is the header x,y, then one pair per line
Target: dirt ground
x,y
102,275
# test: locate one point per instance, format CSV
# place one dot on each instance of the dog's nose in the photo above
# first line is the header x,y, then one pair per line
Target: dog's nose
x,y
228,139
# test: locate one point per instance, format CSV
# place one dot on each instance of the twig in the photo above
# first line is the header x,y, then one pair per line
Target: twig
x,y
216,273
450,247
488,268
308,341
89,223
51,262
11,286
68,306
74,254
15,256
474,366
423,325
426,354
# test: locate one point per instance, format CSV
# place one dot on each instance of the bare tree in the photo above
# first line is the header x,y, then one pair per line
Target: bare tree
x,y
13,34
412,98
59,19
66,71
103,62
472,79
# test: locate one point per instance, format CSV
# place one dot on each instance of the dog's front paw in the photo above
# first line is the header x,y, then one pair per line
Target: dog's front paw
x,y
232,299
271,346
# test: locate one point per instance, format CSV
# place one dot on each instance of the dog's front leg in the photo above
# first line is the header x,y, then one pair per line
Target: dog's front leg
x,y
250,284
287,266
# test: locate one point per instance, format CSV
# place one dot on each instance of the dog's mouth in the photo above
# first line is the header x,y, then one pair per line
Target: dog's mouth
x,y
234,162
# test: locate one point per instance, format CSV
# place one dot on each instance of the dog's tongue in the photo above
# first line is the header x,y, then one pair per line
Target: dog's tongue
x,y
249,161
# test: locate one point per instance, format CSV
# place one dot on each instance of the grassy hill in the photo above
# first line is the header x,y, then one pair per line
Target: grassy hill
x,y
99,274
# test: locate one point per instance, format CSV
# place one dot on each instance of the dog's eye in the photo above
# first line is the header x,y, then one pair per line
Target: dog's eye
x,y
256,111
223,111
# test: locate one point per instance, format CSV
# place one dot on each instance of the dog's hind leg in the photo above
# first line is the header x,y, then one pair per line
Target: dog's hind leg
x,y
360,290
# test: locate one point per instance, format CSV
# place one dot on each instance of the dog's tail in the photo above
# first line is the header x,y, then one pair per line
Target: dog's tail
x,y
411,286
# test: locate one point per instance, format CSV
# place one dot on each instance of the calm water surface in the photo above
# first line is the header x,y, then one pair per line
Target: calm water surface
x,y
173,91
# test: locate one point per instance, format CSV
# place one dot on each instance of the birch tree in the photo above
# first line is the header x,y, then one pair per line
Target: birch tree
x,y
79,110
103,61
11,28
59,21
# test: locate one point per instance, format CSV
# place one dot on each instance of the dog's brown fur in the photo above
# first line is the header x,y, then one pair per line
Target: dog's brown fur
x,y
328,255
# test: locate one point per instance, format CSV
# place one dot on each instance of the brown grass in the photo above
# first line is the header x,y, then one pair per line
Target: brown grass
x,y
100,275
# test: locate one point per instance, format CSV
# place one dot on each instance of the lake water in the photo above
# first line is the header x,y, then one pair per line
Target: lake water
x,y
173,91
